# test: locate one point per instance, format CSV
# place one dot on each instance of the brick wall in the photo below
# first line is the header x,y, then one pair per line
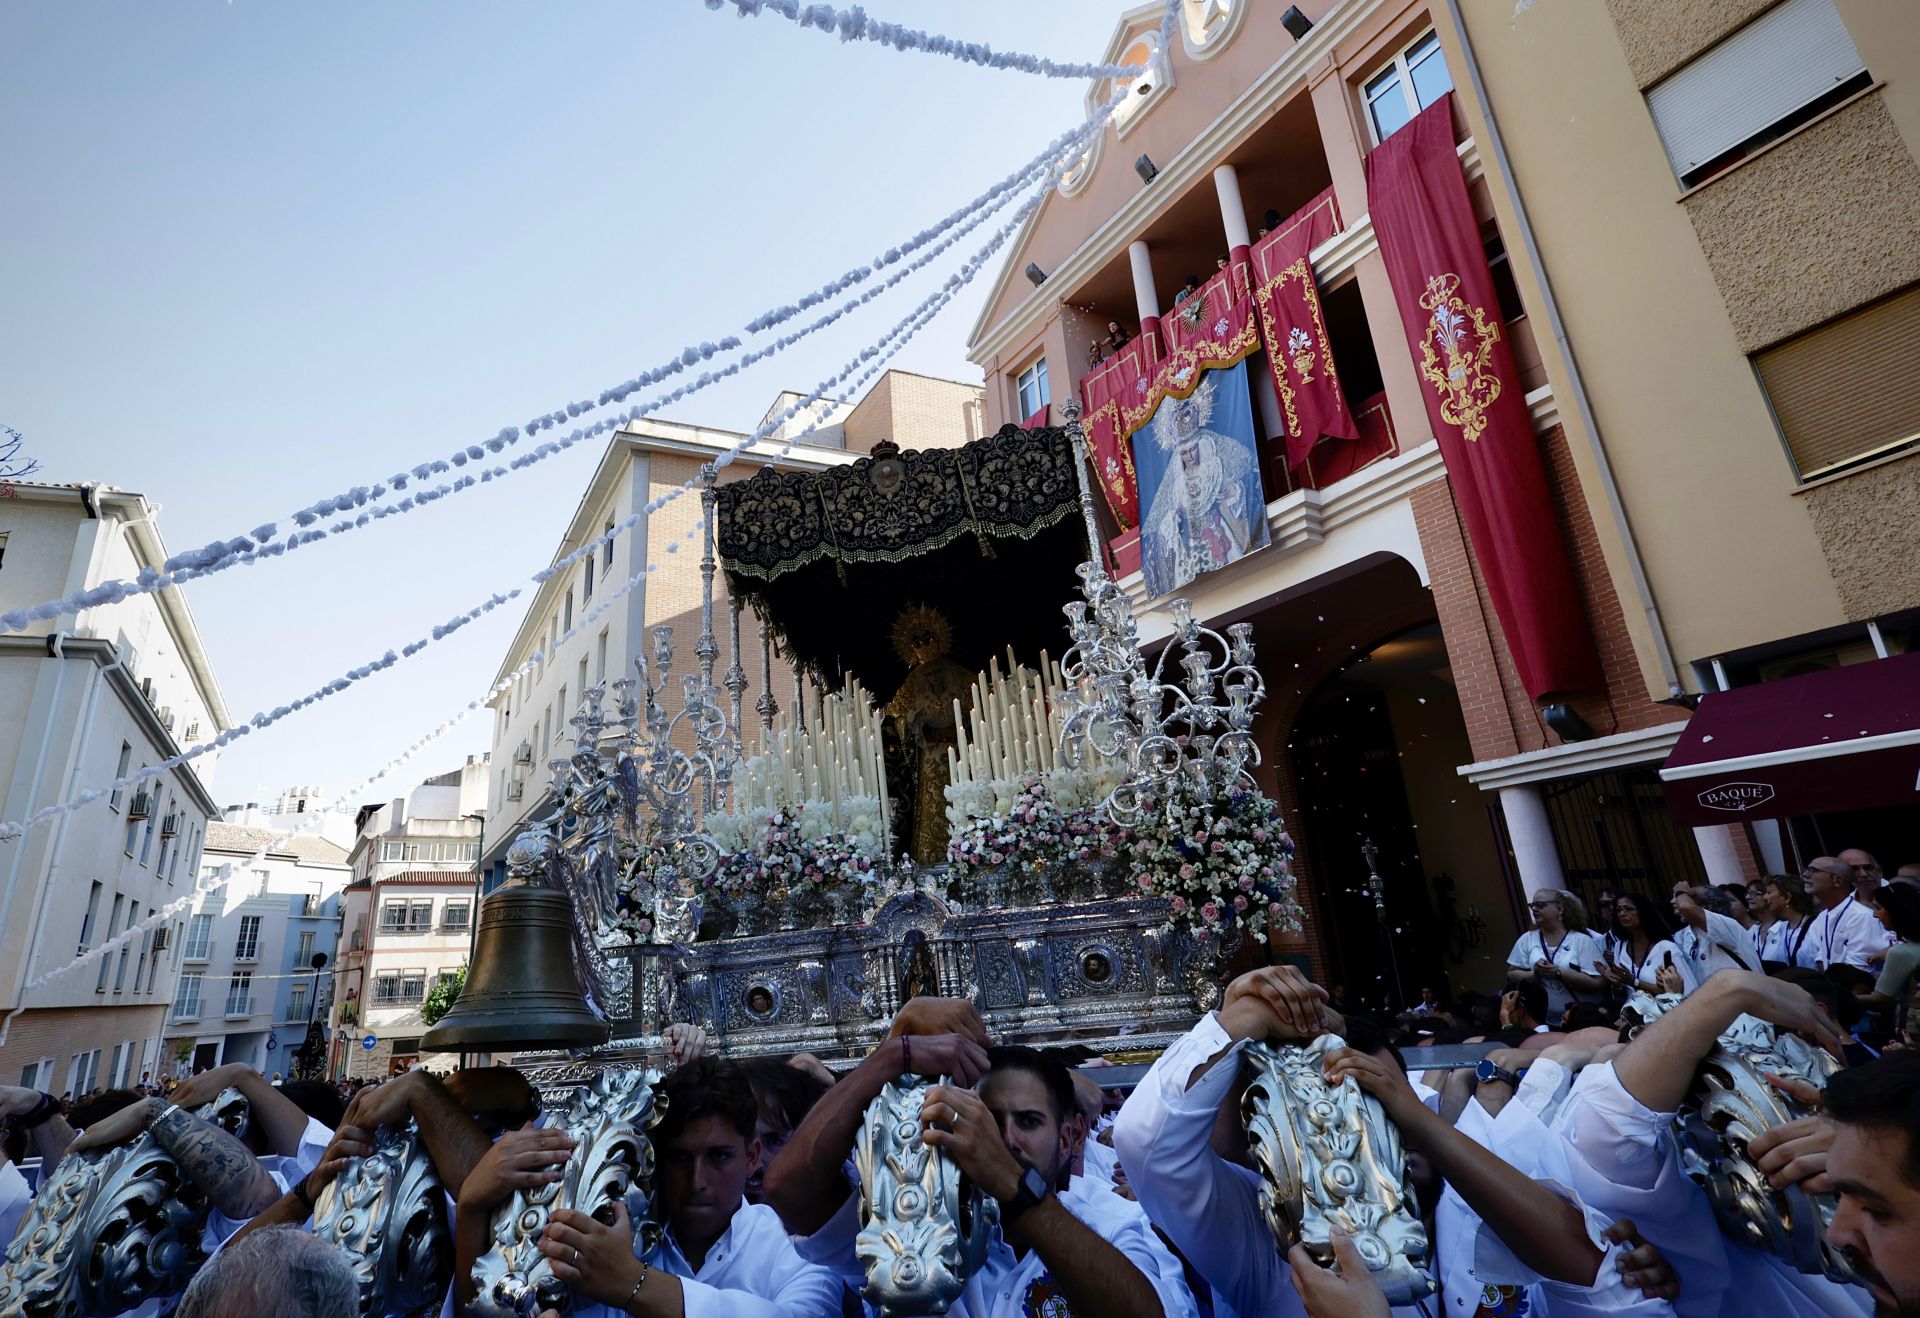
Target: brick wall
x,y
62,1032
917,412
1501,719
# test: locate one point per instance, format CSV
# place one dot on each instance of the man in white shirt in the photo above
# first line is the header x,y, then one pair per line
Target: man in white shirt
x,y
1709,940
720,1257
1844,931
1062,1246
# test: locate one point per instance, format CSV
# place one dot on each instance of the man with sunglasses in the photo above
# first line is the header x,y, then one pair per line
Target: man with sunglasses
x,y
1844,931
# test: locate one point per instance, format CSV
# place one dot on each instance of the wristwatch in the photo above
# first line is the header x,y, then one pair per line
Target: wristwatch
x,y
1491,1072
1033,1188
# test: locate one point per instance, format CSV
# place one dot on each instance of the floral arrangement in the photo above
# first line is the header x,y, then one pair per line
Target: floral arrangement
x,y
1224,864
793,853
1039,821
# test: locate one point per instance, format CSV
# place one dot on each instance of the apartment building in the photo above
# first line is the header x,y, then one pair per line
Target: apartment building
x,y
647,460
94,695
248,990
407,919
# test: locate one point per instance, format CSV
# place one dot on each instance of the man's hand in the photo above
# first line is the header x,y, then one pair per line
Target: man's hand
x,y
1641,1264
204,1088
813,1066
385,1104
939,1016
518,1160
348,1143
1786,1005
937,1055
685,1043
1385,1081
956,1121
1509,1008
1795,1153
17,1102
594,1259
1805,1093
122,1126
1350,1292
1299,1004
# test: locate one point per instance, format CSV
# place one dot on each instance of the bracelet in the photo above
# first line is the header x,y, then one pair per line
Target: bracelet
x,y
645,1272
906,1054
42,1112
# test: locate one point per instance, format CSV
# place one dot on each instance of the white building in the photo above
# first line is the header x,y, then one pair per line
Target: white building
x,y
246,986
646,460
87,697
408,918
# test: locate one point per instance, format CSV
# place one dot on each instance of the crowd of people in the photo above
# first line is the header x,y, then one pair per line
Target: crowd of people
x,y
1548,1177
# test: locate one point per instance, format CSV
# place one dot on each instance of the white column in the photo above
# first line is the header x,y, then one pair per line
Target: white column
x,y
1146,302
1716,852
1233,212
1769,836
1532,838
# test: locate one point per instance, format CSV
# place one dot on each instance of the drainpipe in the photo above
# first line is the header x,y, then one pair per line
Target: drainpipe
x,y
1495,149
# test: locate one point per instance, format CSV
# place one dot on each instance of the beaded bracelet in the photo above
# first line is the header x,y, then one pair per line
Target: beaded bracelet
x,y
645,1272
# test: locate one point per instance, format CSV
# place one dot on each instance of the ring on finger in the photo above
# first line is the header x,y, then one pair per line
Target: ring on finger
x,y
576,1256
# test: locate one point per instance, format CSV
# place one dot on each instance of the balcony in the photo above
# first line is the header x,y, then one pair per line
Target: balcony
x,y
461,927
184,1012
308,906
238,1007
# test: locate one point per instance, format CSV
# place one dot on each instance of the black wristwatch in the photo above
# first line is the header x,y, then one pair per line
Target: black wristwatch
x,y
1490,1071
1033,1188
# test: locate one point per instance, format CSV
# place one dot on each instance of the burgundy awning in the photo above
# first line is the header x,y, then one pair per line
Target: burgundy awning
x,y
1842,739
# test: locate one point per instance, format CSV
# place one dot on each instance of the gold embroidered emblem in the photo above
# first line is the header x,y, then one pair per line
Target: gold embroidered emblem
x,y
1456,356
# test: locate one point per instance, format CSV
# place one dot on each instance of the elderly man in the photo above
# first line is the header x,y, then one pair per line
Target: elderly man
x,y
1866,871
282,1271
1844,931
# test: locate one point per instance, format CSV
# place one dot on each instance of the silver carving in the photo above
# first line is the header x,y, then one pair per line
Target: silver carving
x,y
923,1225
387,1212
612,1161
1330,1157
113,1228
1729,1104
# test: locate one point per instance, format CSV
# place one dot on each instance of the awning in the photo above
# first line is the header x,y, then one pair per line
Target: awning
x,y
1842,739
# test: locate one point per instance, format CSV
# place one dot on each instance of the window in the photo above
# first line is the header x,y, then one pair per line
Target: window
x,y
117,1065
583,676
421,917
106,962
586,580
1847,391
37,1075
566,608
600,663
1142,49
456,918
146,950
1416,79
297,1003
393,851
247,946
563,713
1774,74
546,729
240,994
393,917
606,550
193,844
86,921
1034,394
199,937
413,985
386,988
303,954
146,834
133,829
119,772
83,1072
126,950
261,879
186,998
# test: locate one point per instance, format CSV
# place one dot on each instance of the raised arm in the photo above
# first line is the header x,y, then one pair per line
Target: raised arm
x,y
219,1164
282,1121
48,1133
1657,1067
453,1138
296,1205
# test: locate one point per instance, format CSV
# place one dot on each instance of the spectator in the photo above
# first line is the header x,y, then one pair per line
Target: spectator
x,y
1844,932
1866,871
282,1271
1790,911
1642,949
1558,953
1187,289
1523,1012
1898,910
1709,938
1117,337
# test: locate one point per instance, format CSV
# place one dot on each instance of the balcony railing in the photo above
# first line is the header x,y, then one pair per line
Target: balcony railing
x,y
184,1012
309,905
459,926
401,999
241,1006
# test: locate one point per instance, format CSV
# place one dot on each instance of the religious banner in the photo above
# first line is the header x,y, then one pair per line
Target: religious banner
x,y
1199,465
1299,357
1211,329
1337,460
1105,393
1431,245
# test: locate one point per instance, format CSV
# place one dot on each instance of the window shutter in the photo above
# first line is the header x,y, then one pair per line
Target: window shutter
x,y
1848,390
1789,56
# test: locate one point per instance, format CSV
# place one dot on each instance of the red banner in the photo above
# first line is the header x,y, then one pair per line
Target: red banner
x,y
1335,460
1108,393
1298,355
1431,246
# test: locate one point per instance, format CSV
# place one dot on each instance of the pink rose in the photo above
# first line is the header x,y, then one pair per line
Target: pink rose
x,y
1274,908
1239,903
1246,883
1201,837
1210,912
1186,871
1179,903
1219,848
1145,880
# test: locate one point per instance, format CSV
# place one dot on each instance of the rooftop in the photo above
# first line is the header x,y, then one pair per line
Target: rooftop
x,y
245,841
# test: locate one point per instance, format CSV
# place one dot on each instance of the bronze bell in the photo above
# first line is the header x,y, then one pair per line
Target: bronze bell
x,y
522,992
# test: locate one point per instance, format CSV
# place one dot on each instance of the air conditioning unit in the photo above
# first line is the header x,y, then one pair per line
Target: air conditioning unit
x,y
141,806
516,789
160,936
166,719
170,826
524,755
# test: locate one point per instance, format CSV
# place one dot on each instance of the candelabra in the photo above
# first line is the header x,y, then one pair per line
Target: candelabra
x,y
1172,738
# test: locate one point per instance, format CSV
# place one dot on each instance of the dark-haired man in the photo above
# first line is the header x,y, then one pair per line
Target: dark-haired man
x,y
1873,1166
720,1257
1063,1245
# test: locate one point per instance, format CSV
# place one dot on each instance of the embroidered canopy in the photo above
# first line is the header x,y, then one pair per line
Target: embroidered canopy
x,y
829,559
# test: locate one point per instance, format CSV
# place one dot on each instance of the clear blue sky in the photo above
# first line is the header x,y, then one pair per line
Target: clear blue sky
x,y
256,252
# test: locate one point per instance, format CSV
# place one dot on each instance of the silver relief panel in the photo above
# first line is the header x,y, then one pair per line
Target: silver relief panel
x,y
387,1212
923,1226
612,1161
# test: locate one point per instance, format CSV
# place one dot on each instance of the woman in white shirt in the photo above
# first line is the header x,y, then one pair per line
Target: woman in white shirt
x,y
1644,949
1792,911
1558,951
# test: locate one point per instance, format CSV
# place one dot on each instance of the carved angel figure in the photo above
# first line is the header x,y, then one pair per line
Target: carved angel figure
x,y
114,1228
1330,1157
387,1212
612,1161
924,1228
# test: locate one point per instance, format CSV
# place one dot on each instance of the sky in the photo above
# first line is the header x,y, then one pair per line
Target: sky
x,y
253,253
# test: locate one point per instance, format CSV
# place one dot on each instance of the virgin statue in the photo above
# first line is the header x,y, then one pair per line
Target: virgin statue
x,y
921,715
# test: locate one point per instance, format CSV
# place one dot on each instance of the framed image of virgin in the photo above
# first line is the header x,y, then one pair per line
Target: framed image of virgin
x,y
1199,470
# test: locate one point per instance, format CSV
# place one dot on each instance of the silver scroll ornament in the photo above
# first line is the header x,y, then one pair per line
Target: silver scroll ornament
x,y
612,1162
923,1225
113,1228
1729,1104
1330,1157
387,1212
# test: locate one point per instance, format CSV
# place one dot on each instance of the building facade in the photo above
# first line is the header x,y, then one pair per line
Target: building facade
x,y
1700,551
247,989
407,919
646,461
96,694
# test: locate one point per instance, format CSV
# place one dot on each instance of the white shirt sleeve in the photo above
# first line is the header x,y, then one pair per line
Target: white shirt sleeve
x,y
1208,1207
1526,951
14,1198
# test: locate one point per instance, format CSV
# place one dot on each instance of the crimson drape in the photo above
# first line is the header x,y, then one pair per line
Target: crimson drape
x,y
1299,357
1108,394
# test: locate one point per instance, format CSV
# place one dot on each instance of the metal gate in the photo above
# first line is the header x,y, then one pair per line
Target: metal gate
x,y
1613,830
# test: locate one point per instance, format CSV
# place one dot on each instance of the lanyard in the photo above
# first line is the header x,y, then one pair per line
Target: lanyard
x,y
1552,954
1834,923
1804,928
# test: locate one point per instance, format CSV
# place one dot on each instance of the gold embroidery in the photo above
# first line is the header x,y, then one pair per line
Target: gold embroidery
x,y
1456,356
